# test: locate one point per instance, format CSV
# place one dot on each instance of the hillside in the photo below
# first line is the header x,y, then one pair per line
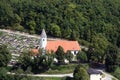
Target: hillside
x,y
82,20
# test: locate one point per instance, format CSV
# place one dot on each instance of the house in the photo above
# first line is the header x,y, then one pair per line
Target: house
x,y
53,45
94,74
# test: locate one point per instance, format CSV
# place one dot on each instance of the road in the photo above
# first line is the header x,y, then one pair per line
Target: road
x,y
107,75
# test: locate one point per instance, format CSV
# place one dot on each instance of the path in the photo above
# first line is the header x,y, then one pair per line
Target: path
x,y
27,34
46,75
107,75
19,33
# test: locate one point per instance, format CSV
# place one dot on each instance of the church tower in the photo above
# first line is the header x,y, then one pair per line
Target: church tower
x,y
43,40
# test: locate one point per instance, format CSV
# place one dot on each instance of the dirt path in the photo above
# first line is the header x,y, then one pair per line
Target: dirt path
x,y
19,33
27,34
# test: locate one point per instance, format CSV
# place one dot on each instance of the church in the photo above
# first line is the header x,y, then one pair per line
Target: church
x,y
52,45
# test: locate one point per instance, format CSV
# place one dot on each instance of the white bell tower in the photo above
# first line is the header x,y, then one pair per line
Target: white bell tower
x,y
43,40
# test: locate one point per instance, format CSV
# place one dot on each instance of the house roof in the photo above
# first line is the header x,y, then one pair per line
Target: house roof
x,y
34,51
67,45
93,71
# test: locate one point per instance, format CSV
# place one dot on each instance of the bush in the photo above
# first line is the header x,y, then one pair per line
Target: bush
x,y
60,55
69,56
82,57
5,56
117,73
80,73
3,73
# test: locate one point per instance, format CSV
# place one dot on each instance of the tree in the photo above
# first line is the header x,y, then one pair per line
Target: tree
x,y
35,63
25,60
80,73
55,30
82,57
69,56
96,51
5,56
31,26
111,61
74,35
60,55
3,73
47,61
117,73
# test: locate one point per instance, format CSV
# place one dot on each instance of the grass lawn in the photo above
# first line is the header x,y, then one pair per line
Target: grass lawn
x,y
46,78
62,69
51,78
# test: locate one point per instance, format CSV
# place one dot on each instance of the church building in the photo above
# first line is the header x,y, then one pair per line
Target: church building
x,y
52,45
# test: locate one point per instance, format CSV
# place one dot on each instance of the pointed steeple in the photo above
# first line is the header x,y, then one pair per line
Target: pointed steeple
x,y
43,34
43,40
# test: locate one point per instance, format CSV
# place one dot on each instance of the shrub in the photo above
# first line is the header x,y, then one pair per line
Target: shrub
x,y
80,73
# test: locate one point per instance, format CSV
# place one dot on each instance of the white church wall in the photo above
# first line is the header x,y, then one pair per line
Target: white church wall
x,y
74,55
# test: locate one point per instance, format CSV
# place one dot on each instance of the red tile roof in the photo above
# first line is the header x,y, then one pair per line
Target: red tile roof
x,y
67,45
34,51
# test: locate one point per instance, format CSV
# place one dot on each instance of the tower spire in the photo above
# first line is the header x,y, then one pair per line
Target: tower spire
x,y
43,34
43,40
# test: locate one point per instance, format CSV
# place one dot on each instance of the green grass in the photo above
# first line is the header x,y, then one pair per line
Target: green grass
x,y
114,79
51,78
62,69
45,78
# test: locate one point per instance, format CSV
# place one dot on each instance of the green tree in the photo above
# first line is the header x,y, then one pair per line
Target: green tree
x,y
117,73
98,48
60,55
35,63
5,56
80,73
25,60
74,35
48,61
55,30
111,61
3,73
82,57
31,26
69,56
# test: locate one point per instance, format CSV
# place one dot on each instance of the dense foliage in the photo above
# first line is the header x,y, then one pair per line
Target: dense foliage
x,y
36,64
80,73
94,23
97,49
117,73
5,56
72,19
60,55
69,56
82,57
112,58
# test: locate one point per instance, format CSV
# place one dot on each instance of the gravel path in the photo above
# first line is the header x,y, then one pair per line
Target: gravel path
x,y
46,75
